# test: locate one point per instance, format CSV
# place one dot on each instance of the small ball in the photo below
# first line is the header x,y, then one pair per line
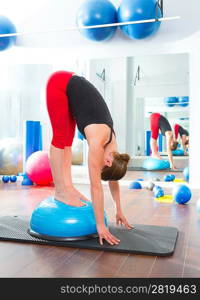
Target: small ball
x,y
13,178
181,193
172,177
5,178
158,191
167,178
135,185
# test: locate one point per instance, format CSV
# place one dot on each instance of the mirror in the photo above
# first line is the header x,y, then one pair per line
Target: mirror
x,y
137,87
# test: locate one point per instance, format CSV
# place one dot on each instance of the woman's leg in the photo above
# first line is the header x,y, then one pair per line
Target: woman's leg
x,y
67,172
66,164
154,124
154,149
63,127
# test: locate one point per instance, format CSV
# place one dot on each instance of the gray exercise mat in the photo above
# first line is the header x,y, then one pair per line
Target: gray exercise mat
x,y
143,239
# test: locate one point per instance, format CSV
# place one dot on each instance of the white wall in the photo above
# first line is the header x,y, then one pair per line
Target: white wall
x,y
162,75
20,96
114,91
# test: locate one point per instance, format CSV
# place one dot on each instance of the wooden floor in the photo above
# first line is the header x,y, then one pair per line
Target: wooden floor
x,y
30,260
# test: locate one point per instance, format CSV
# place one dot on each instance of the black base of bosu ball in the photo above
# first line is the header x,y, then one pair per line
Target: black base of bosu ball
x,y
142,239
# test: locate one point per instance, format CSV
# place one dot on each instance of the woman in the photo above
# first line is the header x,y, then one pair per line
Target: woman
x,y
184,136
159,122
71,101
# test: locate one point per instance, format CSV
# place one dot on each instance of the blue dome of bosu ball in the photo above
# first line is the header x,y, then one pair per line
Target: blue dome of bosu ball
x,y
57,221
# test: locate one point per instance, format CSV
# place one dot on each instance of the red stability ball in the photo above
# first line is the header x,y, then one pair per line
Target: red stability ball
x,y
38,168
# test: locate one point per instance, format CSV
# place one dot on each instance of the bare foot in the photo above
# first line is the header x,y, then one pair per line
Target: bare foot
x,y
156,156
81,196
69,197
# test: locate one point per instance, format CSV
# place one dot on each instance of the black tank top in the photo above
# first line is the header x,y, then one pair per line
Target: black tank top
x,y
86,104
164,125
183,131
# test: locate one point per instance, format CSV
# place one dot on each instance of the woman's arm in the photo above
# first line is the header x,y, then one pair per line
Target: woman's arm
x,y
115,192
183,141
95,161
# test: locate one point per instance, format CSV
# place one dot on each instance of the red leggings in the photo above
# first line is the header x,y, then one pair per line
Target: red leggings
x,y
154,120
176,130
62,122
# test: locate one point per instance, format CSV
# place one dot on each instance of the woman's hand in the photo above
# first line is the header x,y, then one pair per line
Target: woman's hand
x,y
173,167
104,234
121,220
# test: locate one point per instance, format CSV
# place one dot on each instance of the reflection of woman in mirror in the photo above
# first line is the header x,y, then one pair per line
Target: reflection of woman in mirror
x,y
71,101
184,136
160,123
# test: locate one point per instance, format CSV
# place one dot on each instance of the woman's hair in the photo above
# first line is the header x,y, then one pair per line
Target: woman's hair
x,y
118,168
187,142
174,145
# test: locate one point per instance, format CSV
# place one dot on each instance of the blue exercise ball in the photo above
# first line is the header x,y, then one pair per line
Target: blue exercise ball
x,y
152,163
93,12
158,191
181,193
183,101
167,177
136,10
186,174
172,176
55,220
170,101
13,178
135,185
6,26
5,178
178,152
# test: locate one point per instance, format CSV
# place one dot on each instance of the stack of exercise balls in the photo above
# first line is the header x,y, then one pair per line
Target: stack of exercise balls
x,y
178,101
102,12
